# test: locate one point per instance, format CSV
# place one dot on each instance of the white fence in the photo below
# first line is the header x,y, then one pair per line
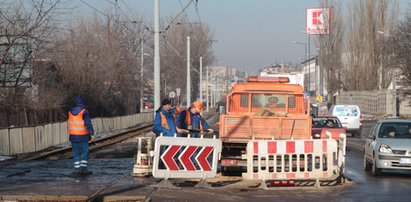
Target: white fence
x,y
31,139
375,102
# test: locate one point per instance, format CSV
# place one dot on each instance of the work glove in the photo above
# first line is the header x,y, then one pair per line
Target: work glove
x,y
189,127
210,131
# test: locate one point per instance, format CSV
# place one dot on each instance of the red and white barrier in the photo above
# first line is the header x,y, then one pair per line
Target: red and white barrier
x,y
181,157
295,159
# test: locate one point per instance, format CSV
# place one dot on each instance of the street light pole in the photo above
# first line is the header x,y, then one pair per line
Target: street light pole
x,y
201,79
157,83
141,76
207,94
305,48
188,93
309,64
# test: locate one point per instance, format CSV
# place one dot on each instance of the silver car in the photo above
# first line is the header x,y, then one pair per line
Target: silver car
x,y
388,146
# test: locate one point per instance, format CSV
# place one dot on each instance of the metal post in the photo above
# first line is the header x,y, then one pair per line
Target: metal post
x,y
157,83
201,79
188,93
394,90
309,64
142,76
207,94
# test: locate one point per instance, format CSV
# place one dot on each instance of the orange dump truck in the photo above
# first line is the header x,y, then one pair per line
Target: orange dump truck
x,y
266,131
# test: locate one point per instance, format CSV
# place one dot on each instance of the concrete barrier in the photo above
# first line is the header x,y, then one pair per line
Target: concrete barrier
x,y
30,139
63,132
16,141
48,135
4,142
55,133
40,138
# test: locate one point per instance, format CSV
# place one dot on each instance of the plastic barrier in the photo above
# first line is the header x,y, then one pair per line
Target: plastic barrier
x,y
314,159
185,157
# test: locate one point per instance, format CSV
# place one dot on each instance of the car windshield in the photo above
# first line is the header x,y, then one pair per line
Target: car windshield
x,y
326,123
346,111
395,130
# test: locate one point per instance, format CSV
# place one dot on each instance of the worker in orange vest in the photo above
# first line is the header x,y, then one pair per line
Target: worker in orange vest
x,y
164,121
81,132
190,121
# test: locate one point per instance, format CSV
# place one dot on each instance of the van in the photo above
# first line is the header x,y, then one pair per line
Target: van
x,y
350,118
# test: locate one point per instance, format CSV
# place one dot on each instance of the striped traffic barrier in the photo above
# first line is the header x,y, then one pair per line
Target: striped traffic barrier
x,y
185,157
313,159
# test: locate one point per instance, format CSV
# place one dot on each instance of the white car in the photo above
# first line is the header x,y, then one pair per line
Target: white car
x,y
350,118
388,146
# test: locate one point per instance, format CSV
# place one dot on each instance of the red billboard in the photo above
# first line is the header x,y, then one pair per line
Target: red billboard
x,y
318,20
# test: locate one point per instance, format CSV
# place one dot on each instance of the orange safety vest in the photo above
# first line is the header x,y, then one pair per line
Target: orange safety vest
x,y
188,119
164,123
76,124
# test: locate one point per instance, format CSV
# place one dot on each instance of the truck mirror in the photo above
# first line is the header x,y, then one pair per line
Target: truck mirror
x,y
222,110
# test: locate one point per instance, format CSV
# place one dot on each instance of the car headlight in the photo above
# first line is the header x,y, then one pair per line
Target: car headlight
x,y
385,148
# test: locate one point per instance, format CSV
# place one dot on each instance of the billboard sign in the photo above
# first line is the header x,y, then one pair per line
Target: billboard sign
x,y
318,20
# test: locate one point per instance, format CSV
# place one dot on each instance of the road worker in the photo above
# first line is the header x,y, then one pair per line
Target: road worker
x,y
164,121
191,121
81,132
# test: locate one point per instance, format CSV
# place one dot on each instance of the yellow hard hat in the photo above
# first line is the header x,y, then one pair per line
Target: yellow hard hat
x,y
198,105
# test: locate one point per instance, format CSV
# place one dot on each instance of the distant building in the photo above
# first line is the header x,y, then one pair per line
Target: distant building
x,y
315,80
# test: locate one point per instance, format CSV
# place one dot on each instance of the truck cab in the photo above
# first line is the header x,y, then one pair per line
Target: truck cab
x,y
263,108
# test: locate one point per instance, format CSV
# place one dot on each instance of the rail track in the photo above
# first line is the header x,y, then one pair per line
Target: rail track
x,y
94,145
55,153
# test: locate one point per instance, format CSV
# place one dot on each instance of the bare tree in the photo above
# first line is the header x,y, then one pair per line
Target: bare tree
x,y
26,28
174,53
401,46
98,58
366,56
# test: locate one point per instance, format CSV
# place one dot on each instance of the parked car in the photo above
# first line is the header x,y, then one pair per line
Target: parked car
x,y
350,118
388,146
148,104
323,124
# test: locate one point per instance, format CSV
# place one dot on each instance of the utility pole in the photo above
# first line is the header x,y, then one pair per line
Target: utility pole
x,y
394,90
309,64
201,79
157,83
141,76
188,74
207,94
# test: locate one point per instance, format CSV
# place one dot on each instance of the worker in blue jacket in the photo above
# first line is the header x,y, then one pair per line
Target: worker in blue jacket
x,y
190,121
80,132
164,121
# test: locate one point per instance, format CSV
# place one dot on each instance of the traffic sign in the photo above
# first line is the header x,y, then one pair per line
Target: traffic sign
x,y
185,157
172,94
178,90
319,98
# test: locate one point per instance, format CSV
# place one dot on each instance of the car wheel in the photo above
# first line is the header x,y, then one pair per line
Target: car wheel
x,y
375,170
367,165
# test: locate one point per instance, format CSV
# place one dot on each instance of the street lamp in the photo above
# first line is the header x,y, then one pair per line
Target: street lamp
x,y
305,47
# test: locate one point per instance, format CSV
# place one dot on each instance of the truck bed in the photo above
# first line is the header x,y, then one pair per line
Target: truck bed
x,y
241,128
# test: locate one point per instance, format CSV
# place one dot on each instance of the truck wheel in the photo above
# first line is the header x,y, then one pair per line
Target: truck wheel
x,y
367,165
375,170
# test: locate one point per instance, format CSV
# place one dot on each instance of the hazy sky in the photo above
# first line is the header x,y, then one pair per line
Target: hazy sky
x,y
250,33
